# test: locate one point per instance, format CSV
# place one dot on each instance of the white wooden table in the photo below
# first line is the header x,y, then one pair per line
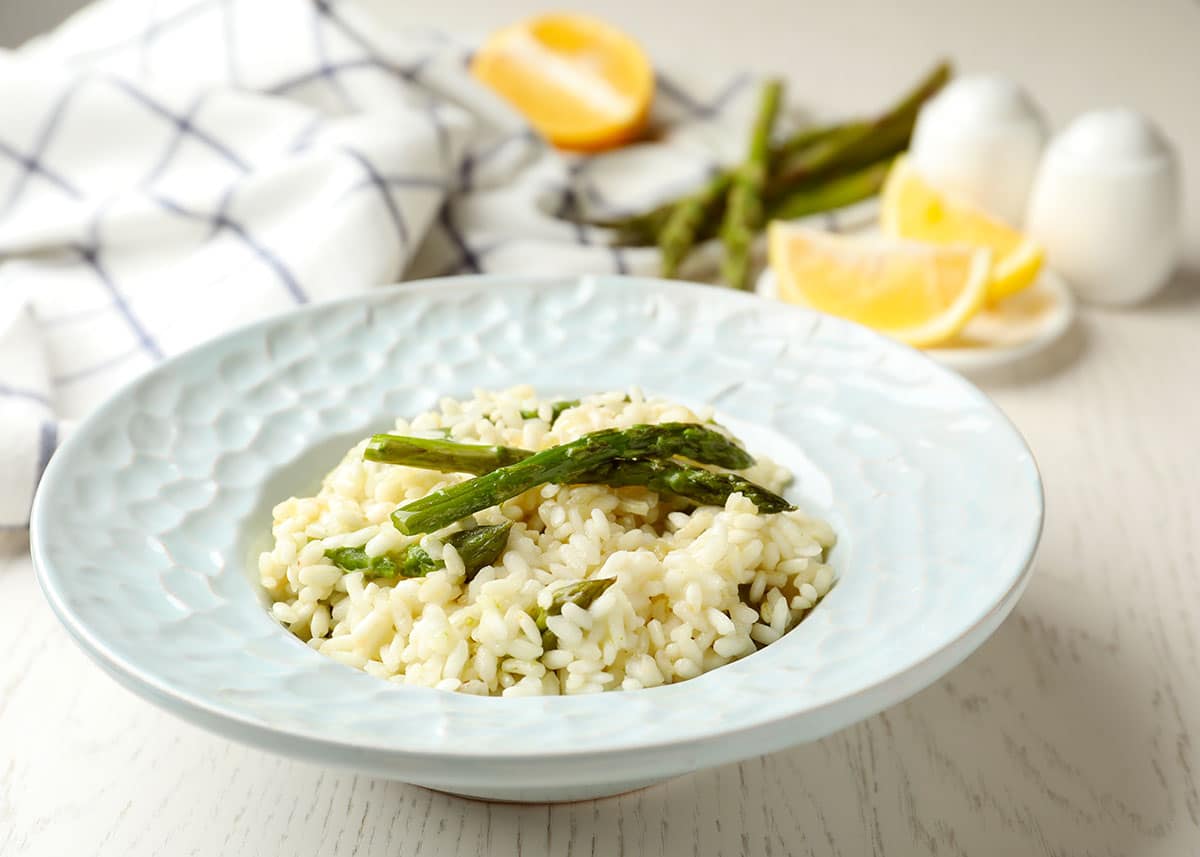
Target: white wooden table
x,y
1074,731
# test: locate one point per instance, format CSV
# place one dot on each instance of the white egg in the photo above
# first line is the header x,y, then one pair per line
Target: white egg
x,y
1106,206
981,138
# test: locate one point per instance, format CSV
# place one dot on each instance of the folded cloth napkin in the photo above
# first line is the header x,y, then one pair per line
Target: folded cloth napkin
x,y
171,169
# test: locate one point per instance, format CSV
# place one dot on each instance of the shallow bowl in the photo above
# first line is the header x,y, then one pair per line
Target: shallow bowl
x,y
148,520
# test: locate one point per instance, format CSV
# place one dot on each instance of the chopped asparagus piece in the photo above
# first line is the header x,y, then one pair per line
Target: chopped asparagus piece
x,y
413,561
556,410
582,592
477,547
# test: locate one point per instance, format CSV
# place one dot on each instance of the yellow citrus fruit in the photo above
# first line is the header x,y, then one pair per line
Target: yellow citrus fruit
x,y
922,294
581,83
914,210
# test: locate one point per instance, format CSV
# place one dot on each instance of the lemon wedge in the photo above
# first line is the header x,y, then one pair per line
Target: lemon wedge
x,y
922,294
581,83
914,210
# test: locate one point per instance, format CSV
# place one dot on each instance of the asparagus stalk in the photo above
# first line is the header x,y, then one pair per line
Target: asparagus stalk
x,y
556,410
687,220
564,464
477,547
692,483
583,593
446,456
450,456
814,161
837,192
597,476
801,140
744,208
857,143
410,562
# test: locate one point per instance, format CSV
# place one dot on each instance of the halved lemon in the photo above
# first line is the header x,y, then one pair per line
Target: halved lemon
x,y
922,294
914,210
581,83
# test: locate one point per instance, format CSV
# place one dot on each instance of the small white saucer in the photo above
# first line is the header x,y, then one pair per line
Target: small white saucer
x,y
1012,331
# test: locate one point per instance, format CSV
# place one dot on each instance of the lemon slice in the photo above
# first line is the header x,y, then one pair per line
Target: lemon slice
x,y
922,294
914,210
583,84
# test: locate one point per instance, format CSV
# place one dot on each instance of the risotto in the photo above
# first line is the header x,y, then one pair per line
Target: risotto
x,y
515,545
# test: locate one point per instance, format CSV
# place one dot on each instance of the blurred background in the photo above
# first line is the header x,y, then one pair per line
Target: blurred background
x,y
849,56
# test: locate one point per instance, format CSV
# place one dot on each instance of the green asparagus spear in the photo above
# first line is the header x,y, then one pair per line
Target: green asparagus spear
x,y
836,192
450,456
815,161
859,143
556,410
687,220
744,208
444,455
582,592
477,547
801,140
693,483
564,464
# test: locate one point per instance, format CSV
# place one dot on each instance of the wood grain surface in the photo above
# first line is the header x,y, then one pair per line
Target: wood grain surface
x,y
1075,730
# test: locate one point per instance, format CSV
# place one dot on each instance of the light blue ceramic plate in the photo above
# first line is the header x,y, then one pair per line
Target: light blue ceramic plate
x,y
148,520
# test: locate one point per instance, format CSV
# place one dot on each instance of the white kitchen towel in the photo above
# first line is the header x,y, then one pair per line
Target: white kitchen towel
x,y
170,169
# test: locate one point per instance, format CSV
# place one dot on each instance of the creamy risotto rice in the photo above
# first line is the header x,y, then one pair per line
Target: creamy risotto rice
x,y
684,588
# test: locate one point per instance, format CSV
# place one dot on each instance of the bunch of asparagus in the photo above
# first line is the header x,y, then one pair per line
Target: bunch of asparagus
x,y
643,455
815,170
